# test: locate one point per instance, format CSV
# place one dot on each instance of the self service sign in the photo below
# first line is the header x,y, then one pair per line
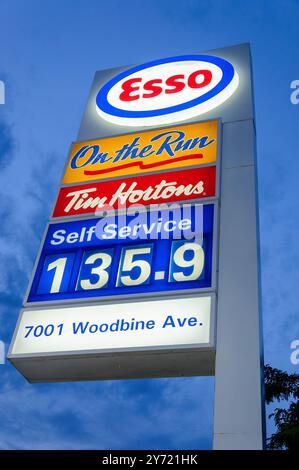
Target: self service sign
x,y
161,251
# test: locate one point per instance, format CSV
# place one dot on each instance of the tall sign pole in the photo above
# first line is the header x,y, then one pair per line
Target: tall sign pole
x,y
238,409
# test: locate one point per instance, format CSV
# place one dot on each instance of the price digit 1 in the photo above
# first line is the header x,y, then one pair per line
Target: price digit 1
x,y
59,266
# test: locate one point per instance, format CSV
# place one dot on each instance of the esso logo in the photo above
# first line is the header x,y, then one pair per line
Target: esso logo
x,y
167,90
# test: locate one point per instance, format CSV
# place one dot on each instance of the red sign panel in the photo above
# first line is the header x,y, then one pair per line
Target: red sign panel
x,y
159,188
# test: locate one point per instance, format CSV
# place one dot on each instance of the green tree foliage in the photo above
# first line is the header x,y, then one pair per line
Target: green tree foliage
x,y
283,386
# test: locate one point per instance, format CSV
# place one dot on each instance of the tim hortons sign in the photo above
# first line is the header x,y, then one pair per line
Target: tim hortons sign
x,y
174,186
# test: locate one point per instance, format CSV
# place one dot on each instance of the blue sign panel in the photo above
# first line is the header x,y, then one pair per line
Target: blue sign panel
x,y
158,251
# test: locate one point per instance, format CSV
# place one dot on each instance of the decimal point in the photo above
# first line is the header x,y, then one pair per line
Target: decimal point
x,y
159,275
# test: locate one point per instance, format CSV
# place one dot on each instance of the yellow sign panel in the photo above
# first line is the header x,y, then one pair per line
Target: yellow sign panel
x,y
143,152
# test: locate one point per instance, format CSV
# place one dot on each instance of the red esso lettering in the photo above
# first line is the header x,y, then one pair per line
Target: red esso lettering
x,y
133,89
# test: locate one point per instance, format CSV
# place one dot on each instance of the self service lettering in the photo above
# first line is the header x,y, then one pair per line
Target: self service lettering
x,y
180,222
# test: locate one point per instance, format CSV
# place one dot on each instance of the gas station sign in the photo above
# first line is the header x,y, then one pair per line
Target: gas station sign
x,y
128,260
151,251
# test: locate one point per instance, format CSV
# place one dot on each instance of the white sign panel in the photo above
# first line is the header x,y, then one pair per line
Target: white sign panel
x,y
127,326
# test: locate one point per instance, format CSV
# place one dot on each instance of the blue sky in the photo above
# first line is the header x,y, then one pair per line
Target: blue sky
x,y
49,52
